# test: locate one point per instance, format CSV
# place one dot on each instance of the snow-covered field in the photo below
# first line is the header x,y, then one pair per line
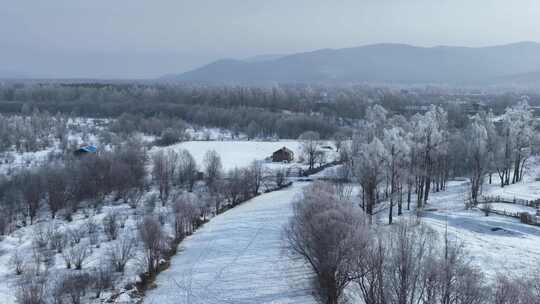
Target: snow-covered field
x,y
529,190
238,258
235,153
496,244
511,208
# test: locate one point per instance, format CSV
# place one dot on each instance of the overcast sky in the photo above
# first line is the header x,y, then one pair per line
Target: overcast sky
x,y
149,38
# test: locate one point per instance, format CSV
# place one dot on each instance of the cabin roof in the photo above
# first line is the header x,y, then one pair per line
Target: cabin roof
x,y
284,149
88,148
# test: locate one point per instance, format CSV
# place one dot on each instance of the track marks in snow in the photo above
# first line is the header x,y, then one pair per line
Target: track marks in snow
x,y
238,257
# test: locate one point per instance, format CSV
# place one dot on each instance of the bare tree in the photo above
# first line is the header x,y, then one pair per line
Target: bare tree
x,y
134,197
234,186
74,256
4,222
280,177
212,168
152,237
407,265
187,171
58,241
75,286
255,177
183,217
164,166
111,226
371,275
121,252
339,137
76,234
31,186
310,143
92,228
102,279
516,290
409,247
217,194
329,234
57,189
31,289
17,261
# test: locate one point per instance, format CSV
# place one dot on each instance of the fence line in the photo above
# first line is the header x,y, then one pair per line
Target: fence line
x,y
524,217
517,201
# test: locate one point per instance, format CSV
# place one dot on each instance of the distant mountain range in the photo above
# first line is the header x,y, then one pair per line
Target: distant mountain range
x,y
6,74
381,63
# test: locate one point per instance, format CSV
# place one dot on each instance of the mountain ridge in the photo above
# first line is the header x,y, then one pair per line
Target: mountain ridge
x,y
383,62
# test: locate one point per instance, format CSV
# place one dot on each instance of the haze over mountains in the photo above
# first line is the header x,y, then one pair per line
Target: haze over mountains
x,y
382,63
8,74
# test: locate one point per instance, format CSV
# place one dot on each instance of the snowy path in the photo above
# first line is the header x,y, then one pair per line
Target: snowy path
x,y
238,258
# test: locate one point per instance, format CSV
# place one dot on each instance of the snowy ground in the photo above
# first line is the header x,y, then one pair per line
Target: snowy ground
x,y
511,208
21,241
235,153
528,189
238,258
496,244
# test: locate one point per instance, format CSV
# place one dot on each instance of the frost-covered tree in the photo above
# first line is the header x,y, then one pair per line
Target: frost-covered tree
x,y
376,119
330,235
369,170
488,120
397,145
477,151
430,137
517,143
121,252
253,130
338,138
153,240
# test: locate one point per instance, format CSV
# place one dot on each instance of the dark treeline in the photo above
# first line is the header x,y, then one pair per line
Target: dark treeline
x,y
284,111
276,112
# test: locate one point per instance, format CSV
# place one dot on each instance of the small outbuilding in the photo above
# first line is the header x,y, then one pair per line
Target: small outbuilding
x,y
283,155
85,150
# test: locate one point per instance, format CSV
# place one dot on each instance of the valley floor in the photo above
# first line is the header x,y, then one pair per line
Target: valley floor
x,y
238,257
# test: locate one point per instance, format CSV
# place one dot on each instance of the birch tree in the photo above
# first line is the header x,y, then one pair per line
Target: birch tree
x,y
397,149
477,151
369,170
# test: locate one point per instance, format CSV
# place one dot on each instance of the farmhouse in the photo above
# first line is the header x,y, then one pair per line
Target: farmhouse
x,y
85,150
282,155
